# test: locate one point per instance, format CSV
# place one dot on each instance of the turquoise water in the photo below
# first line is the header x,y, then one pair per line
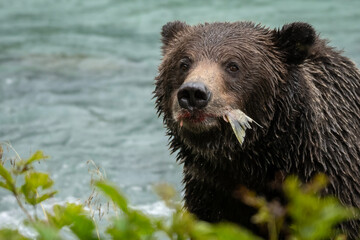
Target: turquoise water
x,y
76,81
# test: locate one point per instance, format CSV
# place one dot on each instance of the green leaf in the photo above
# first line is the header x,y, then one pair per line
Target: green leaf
x,y
10,234
37,156
143,223
46,232
313,217
83,227
45,196
4,185
9,181
33,181
57,219
75,217
79,221
38,179
114,194
132,226
230,231
120,229
30,195
5,174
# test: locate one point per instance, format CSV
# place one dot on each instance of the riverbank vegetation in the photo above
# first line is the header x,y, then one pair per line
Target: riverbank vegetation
x,y
311,217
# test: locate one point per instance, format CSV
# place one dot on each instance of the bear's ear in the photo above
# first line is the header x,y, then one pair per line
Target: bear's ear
x,y
295,41
170,30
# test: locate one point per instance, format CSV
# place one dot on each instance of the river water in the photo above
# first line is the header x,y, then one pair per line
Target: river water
x,y
76,81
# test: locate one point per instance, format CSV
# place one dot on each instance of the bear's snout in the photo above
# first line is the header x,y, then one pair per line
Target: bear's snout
x,y
193,95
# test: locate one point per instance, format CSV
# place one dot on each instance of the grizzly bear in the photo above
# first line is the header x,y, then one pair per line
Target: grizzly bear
x,y
303,95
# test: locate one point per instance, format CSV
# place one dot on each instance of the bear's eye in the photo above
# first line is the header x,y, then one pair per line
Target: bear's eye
x,y
185,64
232,67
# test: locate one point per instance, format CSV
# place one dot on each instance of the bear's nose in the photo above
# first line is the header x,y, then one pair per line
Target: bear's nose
x,y
193,95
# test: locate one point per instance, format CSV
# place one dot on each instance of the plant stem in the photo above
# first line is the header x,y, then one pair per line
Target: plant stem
x,y
97,229
43,209
273,230
23,208
11,147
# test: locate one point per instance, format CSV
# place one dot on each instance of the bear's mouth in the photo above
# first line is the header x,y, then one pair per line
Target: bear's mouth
x,y
196,120
200,121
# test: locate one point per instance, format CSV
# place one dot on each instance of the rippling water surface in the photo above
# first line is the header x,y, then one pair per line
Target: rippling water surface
x,y
76,81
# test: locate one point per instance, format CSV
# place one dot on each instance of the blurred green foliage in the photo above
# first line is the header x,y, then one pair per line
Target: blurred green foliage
x,y
312,217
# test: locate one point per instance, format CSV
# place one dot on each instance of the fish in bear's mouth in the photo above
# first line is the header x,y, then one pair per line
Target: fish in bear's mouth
x,y
238,120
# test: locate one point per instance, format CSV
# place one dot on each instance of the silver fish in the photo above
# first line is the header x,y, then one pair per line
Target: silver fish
x,y
239,122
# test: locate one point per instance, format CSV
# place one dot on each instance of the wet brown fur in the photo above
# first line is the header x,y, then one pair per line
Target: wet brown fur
x,y
304,94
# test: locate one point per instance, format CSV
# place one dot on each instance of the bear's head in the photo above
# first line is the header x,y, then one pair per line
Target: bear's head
x,y
211,69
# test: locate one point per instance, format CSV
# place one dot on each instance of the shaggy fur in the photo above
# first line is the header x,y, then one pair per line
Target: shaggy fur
x,y
304,94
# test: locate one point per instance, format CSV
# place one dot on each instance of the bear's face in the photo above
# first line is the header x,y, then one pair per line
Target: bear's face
x,y
211,69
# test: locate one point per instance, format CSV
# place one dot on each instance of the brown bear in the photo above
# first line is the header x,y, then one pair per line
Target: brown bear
x,y
304,95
